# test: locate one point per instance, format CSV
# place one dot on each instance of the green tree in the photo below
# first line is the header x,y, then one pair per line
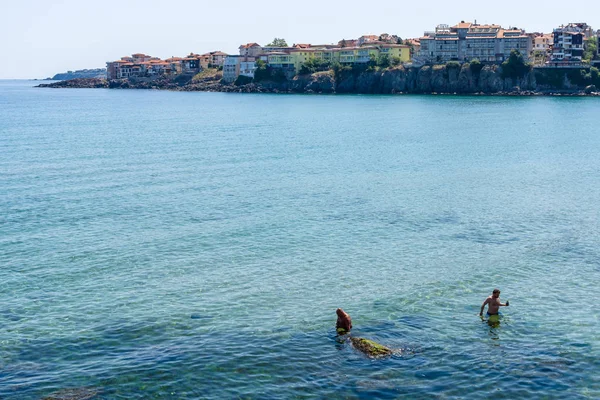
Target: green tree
x,y
395,61
261,72
341,71
452,65
383,61
372,63
591,49
539,57
595,74
313,65
515,66
411,47
278,42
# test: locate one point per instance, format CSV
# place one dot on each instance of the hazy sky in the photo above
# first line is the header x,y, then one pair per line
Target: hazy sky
x,y
39,38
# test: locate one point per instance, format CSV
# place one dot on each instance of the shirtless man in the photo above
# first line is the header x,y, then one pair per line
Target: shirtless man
x,y
344,322
493,303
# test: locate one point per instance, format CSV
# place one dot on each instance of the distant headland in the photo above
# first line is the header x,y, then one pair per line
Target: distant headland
x,y
99,73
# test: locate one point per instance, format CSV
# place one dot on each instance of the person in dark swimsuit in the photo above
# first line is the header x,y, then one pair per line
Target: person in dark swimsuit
x,y
493,303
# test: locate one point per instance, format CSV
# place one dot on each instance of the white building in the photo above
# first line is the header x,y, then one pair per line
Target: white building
x,y
248,67
231,68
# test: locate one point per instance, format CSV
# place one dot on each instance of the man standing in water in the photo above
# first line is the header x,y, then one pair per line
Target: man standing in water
x,y
493,303
344,322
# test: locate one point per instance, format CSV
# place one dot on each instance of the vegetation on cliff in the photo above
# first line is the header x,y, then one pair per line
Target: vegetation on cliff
x,y
515,67
568,78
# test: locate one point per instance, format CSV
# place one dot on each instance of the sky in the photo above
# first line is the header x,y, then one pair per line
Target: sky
x,y
39,38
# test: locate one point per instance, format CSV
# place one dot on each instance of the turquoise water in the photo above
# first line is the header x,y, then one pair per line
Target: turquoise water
x,y
196,245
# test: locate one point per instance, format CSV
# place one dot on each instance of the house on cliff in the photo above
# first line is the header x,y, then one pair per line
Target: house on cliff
x,y
567,48
467,41
250,50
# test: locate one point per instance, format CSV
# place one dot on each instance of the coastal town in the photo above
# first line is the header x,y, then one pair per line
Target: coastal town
x,y
573,45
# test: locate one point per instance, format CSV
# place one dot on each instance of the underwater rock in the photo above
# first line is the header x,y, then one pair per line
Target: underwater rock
x,y
73,394
370,348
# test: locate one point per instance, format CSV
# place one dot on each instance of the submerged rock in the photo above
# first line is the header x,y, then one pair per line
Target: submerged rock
x,y
73,394
370,348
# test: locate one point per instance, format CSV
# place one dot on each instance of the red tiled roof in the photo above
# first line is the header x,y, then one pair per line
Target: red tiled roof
x,y
463,25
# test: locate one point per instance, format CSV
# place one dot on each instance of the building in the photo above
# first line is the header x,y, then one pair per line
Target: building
x,y
513,39
250,50
348,43
231,68
281,60
217,58
567,46
275,49
191,63
129,67
467,41
140,58
414,45
400,51
175,64
367,39
543,43
248,67
212,59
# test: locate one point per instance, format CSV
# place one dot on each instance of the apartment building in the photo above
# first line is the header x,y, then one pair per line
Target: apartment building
x,y
543,43
568,43
250,50
467,41
231,68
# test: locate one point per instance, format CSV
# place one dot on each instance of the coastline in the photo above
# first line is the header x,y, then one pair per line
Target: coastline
x,y
435,80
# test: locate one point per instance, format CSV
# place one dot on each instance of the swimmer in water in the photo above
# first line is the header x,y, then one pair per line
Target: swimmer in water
x,y
493,303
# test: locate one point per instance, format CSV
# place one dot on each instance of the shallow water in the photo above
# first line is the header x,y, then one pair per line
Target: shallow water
x,y
196,245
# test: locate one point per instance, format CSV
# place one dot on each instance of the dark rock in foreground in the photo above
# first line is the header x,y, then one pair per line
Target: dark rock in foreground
x,y
370,348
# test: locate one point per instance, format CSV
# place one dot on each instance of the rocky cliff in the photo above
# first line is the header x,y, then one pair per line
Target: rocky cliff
x,y
450,79
427,79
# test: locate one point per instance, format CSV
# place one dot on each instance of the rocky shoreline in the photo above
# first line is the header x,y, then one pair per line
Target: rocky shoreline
x,y
435,80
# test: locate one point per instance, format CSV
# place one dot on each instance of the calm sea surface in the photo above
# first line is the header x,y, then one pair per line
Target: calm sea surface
x,y
159,244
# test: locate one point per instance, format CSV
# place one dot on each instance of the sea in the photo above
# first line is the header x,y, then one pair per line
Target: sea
x,y
175,245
